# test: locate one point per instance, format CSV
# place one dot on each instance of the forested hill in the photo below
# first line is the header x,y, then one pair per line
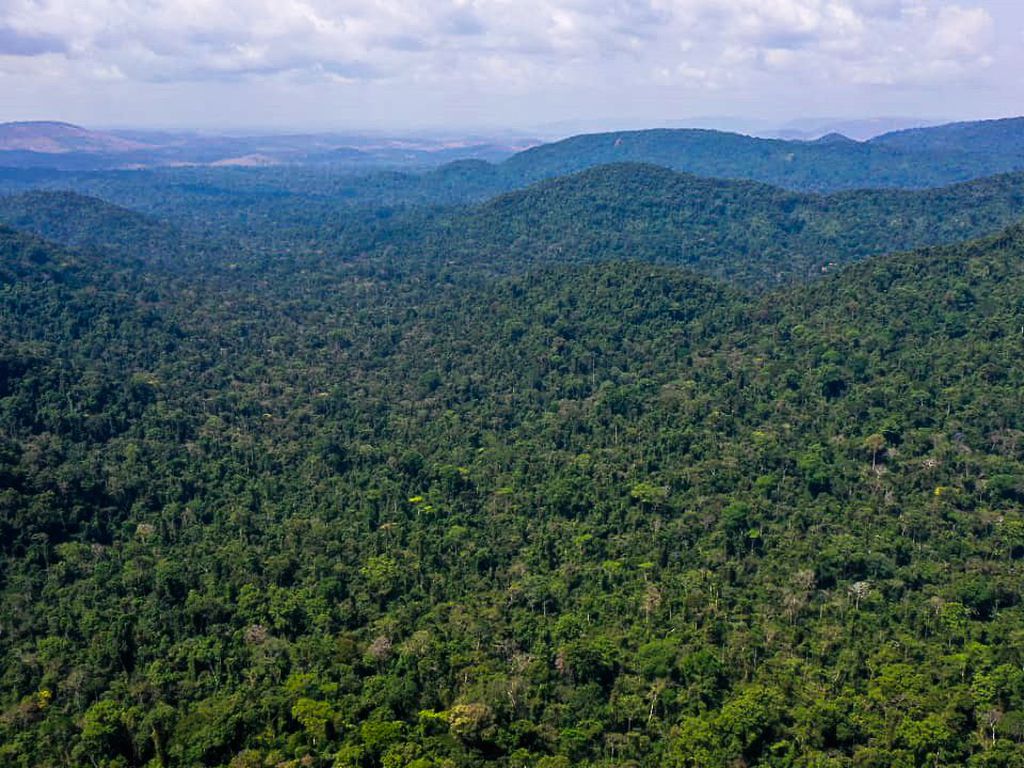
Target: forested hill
x,y
985,137
90,223
924,157
33,261
58,307
752,233
587,515
927,157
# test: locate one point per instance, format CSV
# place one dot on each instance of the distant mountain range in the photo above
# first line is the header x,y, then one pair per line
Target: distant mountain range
x,y
63,146
920,157
808,129
914,157
52,138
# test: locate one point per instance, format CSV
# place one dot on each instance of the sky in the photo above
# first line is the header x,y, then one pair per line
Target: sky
x,y
504,64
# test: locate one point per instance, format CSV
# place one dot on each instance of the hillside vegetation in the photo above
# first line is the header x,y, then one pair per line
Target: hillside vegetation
x,y
748,232
93,224
375,512
753,234
923,157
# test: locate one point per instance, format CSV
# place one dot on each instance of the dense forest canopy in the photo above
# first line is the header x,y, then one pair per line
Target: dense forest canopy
x,y
562,478
753,234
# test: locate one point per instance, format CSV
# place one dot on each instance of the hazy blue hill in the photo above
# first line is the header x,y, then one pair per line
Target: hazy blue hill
x,y
1002,137
74,219
672,148
919,158
834,138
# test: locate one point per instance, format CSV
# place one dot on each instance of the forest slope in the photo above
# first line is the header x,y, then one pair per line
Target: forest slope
x,y
923,157
752,233
584,515
84,222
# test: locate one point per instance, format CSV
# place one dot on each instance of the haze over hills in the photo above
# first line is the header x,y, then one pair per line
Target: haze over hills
x,y
979,137
863,129
54,138
364,197
918,157
754,234
69,147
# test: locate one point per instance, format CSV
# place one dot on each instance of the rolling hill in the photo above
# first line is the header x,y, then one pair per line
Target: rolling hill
x,y
921,157
917,158
756,234
751,233
54,138
84,222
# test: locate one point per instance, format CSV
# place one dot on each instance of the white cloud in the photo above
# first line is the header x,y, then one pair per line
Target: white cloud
x,y
880,42
961,32
501,45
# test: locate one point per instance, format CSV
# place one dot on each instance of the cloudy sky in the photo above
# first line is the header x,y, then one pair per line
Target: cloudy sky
x,y
397,64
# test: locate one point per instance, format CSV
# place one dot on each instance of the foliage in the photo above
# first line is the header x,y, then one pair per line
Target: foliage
x,y
303,510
